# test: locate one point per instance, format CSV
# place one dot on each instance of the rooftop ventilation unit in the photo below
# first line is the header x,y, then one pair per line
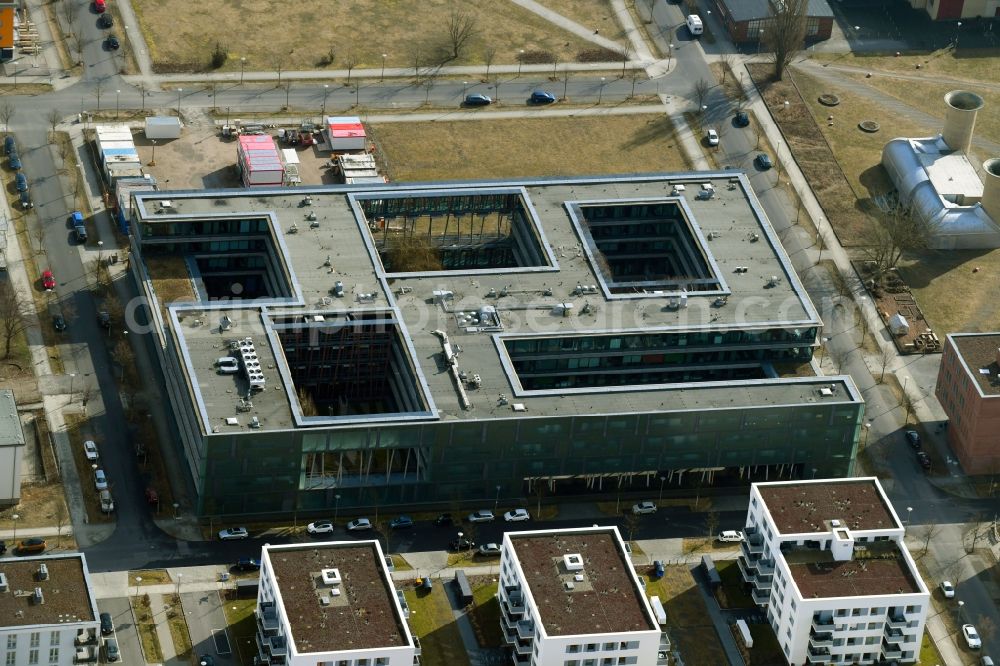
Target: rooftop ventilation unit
x,y
573,562
834,523
331,576
3,582
324,601
570,585
251,364
38,597
225,323
43,571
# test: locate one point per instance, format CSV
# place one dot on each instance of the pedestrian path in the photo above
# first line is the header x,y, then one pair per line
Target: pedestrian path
x,y
158,609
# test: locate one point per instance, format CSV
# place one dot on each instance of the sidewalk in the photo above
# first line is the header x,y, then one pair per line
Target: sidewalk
x,y
26,532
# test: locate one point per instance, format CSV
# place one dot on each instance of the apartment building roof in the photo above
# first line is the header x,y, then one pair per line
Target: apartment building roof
x,y
601,597
65,591
337,596
885,574
979,355
803,507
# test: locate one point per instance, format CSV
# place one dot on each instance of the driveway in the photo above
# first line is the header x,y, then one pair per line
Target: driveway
x,y
207,626
125,631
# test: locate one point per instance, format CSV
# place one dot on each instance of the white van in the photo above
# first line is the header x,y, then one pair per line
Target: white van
x,y
694,24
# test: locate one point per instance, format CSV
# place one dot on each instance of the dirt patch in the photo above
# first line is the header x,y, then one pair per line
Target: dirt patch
x,y
895,298
511,148
315,34
42,505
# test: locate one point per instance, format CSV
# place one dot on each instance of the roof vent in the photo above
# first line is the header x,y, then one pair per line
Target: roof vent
x,y
331,576
324,601
43,571
573,562
578,577
225,323
835,523
570,585
3,582
38,597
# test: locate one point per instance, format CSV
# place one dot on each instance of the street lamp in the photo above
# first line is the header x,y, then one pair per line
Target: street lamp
x,y
670,54
760,39
868,428
958,26
14,518
243,62
382,76
496,502
138,581
600,94
100,252
72,376
326,93
179,91
152,160
176,506
662,479
117,95
336,508
179,577
520,60
909,512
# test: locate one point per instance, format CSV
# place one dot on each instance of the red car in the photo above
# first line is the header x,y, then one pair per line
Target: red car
x,y
48,280
100,6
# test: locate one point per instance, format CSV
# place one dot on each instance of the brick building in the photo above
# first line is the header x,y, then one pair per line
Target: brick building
x,y
747,21
968,388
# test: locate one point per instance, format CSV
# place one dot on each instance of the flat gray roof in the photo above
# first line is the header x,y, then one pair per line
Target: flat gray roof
x,y
11,433
731,228
979,353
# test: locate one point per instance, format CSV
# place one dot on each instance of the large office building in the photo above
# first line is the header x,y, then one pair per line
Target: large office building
x,y
968,388
376,345
330,603
571,598
826,558
47,611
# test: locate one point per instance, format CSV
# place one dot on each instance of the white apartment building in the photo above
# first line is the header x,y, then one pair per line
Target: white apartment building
x,y
330,604
48,615
571,598
826,558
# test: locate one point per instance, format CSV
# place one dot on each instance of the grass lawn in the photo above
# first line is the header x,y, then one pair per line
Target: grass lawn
x,y
399,563
146,626
928,651
690,628
179,633
471,559
510,148
591,14
732,593
936,277
431,619
150,576
485,613
42,505
242,626
182,37
970,65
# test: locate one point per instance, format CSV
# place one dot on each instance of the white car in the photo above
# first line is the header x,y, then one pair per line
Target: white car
x,y
483,516
90,450
359,524
731,536
320,527
232,533
643,508
971,637
517,515
713,137
100,480
947,589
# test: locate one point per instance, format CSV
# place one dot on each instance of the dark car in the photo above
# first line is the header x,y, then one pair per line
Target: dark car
x,y
913,438
106,21
763,162
15,161
26,201
478,100
9,145
80,232
104,319
461,544
658,569
21,182
206,660
59,322
444,519
741,119
111,647
247,564
107,625
400,523
32,545
924,460
3,548
111,43
541,97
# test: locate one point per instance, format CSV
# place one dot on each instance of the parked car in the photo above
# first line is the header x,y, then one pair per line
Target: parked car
x,y
107,625
80,233
971,637
26,201
31,546
461,544
643,508
400,523
986,661
489,549
541,97
443,519
90,450
104,319
923,460
947,589
658,569
483,516
107,502
152,497
206,660
478,100
21,182
58,323
232,533
100,6
3,547
9,145
730,536
100,480
763,162
106,20
712,137
48,280
517,516
247,564
320,527
111,43
14,161
111,649
913,438
741,119
359,524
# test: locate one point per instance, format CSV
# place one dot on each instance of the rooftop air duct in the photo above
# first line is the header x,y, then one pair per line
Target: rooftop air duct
x,y
991,189
960,118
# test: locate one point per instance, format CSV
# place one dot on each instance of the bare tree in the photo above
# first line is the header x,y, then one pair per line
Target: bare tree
x,y
728,61
54,117
6,113
13,315
700,92
350,62
886,355
428,84
977,532
896,232
712,523
626,56
489,55
417,57
927,533
631,521
39,234
461,28
288,90
61,515
785,34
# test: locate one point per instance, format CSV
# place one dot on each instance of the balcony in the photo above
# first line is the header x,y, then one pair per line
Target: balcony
x,y
823,626
512,604
523,649
761,597
86,637
890,652
267,616
895,637
271,647
821,656
820,641
662,658
897,622
753,545
525,629
520,660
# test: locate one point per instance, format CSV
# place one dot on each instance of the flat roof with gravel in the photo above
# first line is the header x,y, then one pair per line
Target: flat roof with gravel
x,y
65,591
808,506
979,353
886,575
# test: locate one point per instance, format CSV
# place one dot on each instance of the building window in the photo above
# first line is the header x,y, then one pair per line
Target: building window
x,y
53,655
591,647
36,638
12,642
54,638
32,656
572,648
609,647
11,659
572,662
